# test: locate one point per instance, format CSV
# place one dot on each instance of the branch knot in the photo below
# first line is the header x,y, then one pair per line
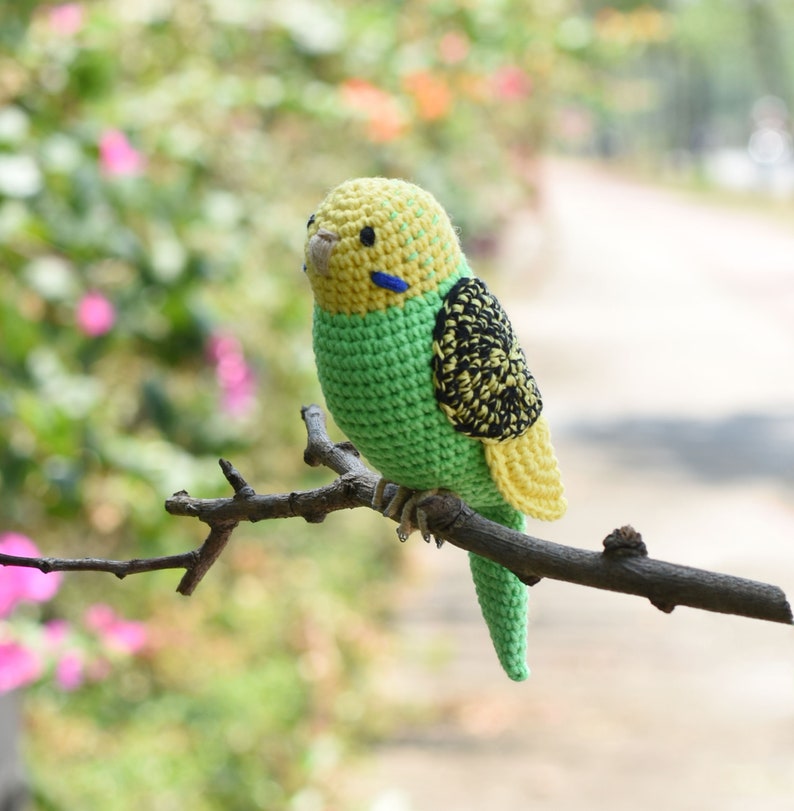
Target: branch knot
x,y
625,542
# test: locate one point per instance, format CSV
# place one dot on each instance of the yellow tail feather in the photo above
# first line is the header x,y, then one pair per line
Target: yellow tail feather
x,y
526,473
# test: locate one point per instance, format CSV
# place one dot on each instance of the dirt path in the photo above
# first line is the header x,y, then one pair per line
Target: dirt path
x,y
662,336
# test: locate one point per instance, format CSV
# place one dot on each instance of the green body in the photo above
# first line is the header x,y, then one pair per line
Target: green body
x,y
376,377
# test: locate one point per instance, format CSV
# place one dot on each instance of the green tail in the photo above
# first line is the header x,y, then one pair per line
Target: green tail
x,y
503,601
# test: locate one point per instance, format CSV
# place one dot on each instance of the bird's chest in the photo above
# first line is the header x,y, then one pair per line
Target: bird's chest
x,y
376,377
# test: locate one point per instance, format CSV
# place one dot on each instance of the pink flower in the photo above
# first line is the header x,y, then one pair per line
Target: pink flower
x,y
117,634
70,671
222,345
235,377
20,583
117,156
125,636
237,383
99,616
72,666
18,666
66,19
56,632
95,314
511,83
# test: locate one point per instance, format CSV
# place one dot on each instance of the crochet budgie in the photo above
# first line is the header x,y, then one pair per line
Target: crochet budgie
x,y
421,369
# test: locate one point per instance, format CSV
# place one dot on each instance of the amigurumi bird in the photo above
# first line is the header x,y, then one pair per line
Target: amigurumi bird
x,y
421,369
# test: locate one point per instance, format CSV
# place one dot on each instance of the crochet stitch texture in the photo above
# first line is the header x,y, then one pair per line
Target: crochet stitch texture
x,y
420,369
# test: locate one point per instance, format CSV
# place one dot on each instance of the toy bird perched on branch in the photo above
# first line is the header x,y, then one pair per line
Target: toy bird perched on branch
x,y
421,369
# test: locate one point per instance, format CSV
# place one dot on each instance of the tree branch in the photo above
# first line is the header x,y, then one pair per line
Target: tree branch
x,y
622,566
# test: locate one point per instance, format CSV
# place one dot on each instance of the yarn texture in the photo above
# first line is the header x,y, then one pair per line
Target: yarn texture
x,y
420,368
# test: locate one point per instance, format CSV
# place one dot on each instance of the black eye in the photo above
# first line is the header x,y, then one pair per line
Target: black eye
x,y
311,220
367,236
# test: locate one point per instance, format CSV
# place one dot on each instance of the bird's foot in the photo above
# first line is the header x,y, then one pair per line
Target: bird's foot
x,y
405,504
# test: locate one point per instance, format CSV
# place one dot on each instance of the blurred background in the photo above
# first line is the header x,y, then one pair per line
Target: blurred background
x,y
622,176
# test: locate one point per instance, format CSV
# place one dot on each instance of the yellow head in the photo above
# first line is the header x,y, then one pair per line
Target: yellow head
x,y
375,243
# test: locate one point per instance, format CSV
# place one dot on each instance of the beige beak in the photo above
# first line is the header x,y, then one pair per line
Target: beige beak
x,y
321,246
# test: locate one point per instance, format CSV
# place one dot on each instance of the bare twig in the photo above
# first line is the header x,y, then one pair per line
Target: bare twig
x,y
120,568
622,566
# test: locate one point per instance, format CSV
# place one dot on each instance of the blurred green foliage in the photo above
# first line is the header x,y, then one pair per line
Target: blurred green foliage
x,y
158,160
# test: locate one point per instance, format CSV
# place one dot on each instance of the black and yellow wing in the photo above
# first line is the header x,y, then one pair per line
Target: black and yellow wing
x,y
483,385
480,373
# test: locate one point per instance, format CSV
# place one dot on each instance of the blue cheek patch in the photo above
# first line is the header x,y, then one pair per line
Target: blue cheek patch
x,y
389,282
